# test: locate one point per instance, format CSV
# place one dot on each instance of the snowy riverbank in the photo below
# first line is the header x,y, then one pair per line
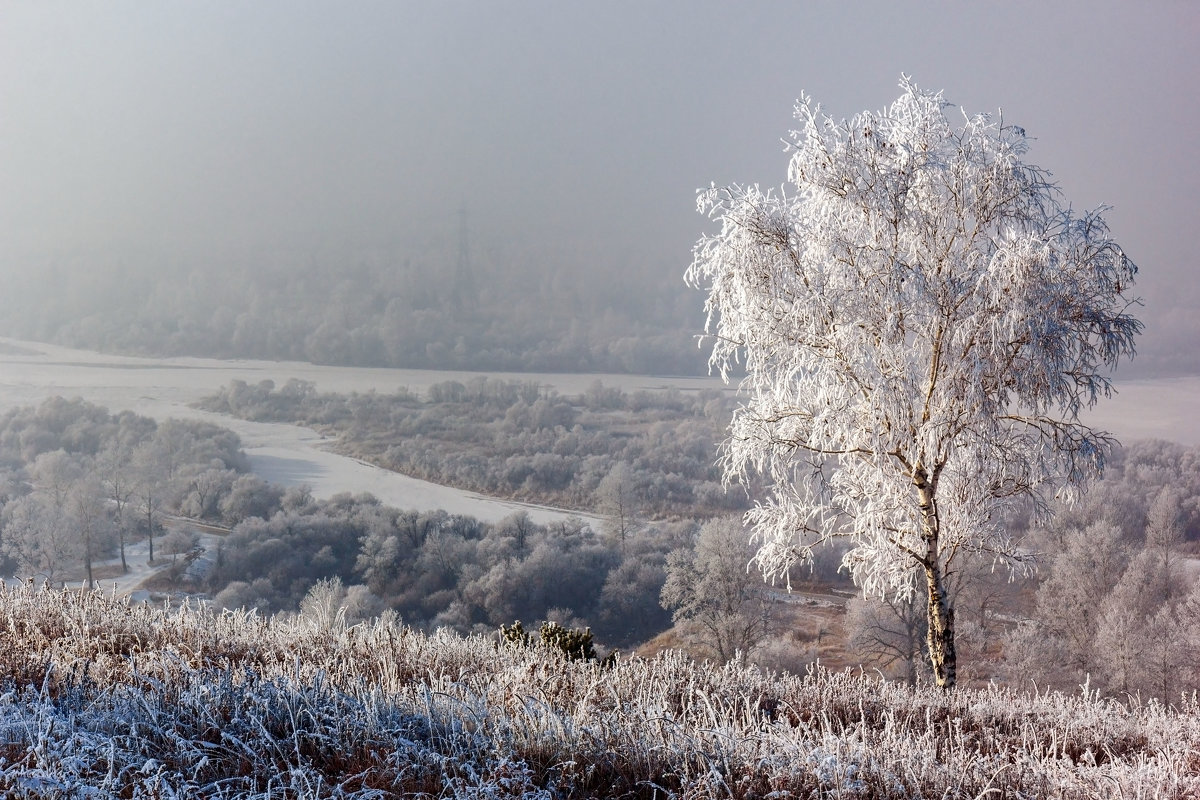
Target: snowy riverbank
x,y
292,455
287,454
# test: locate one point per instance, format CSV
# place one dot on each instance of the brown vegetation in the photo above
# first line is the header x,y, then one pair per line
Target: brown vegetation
x,y
142,702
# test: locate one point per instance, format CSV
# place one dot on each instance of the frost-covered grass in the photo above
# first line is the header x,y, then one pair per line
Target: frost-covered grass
x,y
102,699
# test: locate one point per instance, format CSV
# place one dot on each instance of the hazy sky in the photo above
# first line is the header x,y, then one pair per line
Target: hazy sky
x,y
192,128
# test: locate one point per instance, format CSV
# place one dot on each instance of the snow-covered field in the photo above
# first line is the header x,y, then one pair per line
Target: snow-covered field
x,y
291,455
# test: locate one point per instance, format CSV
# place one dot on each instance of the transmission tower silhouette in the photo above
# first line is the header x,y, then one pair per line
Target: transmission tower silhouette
x,y
465,294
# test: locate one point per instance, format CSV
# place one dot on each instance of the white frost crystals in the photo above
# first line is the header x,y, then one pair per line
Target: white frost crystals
x,y
921,319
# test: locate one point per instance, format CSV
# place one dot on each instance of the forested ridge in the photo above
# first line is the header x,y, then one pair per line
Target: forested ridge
x,y
376,307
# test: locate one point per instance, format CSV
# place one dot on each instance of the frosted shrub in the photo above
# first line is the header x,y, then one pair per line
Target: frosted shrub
x,y
573,643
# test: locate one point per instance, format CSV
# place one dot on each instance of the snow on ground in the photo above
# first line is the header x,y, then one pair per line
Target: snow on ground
x,y
1160,408
137,558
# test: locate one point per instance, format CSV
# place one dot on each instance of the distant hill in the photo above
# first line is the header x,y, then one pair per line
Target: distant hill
x,y
369,309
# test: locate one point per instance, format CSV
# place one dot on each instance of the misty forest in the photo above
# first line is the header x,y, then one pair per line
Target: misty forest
x,y
444,307
820,510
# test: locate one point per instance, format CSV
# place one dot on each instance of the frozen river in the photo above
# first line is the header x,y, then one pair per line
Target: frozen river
x,y
291,455
286,454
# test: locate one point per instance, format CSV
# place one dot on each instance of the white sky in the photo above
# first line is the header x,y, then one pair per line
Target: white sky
x,y
189,129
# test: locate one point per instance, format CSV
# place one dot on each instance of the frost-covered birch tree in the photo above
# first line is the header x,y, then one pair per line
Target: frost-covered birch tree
x,y
921,318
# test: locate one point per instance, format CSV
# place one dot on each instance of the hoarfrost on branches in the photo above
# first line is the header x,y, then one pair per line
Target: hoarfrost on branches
x,y
921,319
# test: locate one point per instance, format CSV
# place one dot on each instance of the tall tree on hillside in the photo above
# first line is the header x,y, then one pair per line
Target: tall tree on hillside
x,y
1164,536
921,319
151,484
88,515
115,472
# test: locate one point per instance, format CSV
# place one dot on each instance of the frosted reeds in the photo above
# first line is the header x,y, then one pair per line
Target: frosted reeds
x,y
101,699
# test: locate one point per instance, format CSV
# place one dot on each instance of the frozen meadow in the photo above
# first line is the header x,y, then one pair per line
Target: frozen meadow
x,y
100,699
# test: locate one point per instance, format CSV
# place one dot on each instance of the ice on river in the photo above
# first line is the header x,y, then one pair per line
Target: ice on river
x,y
291,455
288,454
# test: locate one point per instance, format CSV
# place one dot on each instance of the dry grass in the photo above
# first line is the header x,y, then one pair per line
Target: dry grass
x,y
98,699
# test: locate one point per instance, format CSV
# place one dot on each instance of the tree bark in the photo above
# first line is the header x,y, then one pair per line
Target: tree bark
x,y
942,655
940,636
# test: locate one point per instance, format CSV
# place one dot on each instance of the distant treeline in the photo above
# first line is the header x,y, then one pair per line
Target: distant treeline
x,y
382,310
620,454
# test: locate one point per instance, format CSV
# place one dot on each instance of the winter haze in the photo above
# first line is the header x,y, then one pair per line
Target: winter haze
x,y
199,167
357,334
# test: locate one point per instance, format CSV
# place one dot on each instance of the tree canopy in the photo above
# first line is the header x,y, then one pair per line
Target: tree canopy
x,y
922,318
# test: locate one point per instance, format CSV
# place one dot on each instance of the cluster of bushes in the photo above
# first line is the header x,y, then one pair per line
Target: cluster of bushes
x,y
516,440
436,569
1117,599
102,699
78,483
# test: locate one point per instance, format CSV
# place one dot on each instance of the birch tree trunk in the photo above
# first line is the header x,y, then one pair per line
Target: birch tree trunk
x,y
942,655
940,636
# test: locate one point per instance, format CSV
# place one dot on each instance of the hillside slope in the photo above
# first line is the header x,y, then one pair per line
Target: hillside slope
x,y
100,699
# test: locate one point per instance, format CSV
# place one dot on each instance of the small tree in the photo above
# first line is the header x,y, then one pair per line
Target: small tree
x,y
617,500
150,485
325,604
1164,536
178,542
921,319
890,631
114,465
721,607
88,515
